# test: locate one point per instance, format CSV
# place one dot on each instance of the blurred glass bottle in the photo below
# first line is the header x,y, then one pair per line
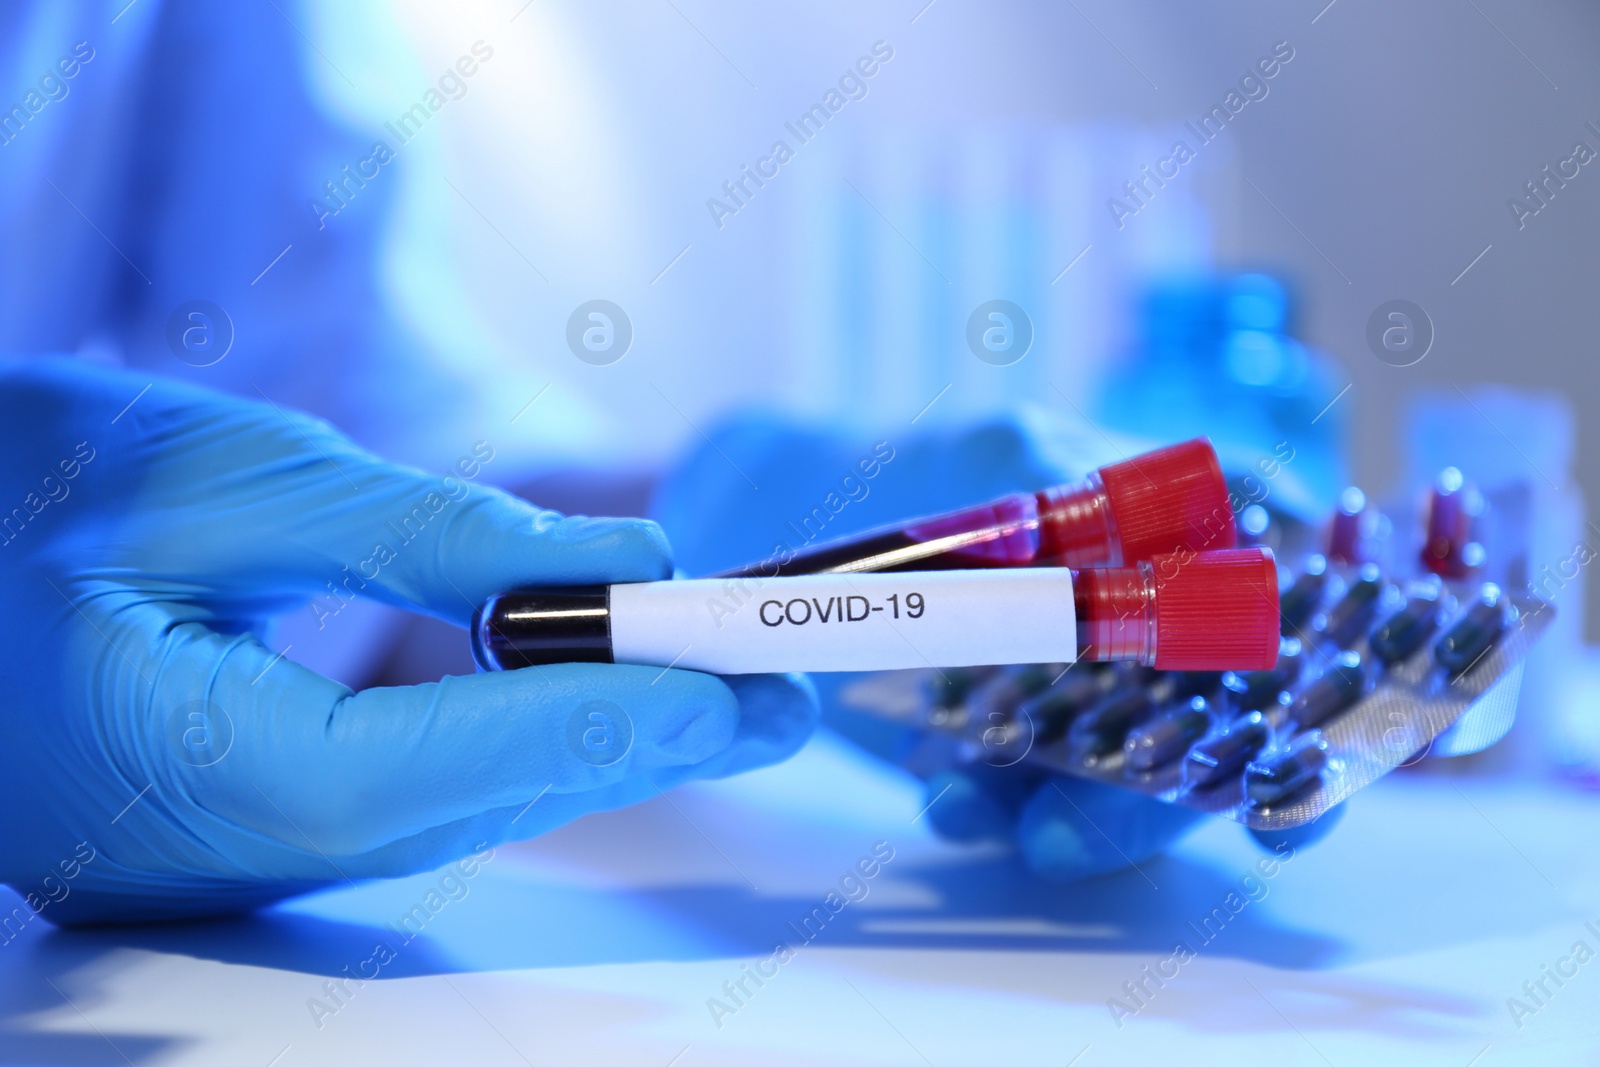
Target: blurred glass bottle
x,y
1212,356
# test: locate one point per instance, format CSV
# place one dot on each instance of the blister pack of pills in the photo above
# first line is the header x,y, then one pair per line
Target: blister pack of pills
x,y
1380,665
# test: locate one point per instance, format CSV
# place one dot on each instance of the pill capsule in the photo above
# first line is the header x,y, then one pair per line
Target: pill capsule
x,y
1455,509
1050,713
1102,728
1299,602
1167,736
1254,690
1002,692
1335,691
1405,631
1181,685
1350,539
1085,683
1354,612
1276,778
951,686
1054,709
1222,757
1474,634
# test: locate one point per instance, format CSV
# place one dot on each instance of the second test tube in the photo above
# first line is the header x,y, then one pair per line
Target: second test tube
x,y
1162,501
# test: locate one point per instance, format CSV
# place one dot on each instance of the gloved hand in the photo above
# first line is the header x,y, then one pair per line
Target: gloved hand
x,y
763,486
145,538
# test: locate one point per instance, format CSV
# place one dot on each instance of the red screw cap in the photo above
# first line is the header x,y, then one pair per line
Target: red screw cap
x,y
1216,611
1174,497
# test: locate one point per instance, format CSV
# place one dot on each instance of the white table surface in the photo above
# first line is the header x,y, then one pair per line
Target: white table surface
x,y
1397,940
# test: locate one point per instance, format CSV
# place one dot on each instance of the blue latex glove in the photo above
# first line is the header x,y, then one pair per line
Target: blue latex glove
x,y
762,486
142,548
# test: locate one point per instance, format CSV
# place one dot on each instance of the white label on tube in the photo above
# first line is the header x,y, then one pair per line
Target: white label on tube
x,y
848,622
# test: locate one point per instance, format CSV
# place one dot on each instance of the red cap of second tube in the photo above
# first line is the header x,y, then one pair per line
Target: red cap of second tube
x,y
1174,497
1170,498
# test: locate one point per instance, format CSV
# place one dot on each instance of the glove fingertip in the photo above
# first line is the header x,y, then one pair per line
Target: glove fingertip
x,y
1055,849
695,716
777,716
634,550
960,809
1061,840
778,709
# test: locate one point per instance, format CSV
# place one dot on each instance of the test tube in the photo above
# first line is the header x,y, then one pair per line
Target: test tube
x,y
1162,501
1207,611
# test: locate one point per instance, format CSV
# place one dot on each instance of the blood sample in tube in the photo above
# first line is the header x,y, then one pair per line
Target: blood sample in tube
x,y
1162,501
1207,611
